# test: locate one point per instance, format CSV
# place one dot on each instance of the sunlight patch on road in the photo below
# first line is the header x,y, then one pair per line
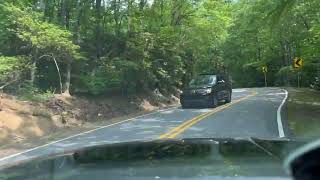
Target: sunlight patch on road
x,y
239,90
167,112
196,129
145,132
150,120
272,94
64,145
201,110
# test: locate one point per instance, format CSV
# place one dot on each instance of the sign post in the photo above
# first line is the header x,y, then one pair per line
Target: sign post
x,y
298,64
299,77
265,70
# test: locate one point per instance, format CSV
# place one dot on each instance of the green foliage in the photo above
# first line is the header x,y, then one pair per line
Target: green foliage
x,y
43,36
106,78
7,65
273,33
316,83
28,92
37,38
132,46
118,74
11,68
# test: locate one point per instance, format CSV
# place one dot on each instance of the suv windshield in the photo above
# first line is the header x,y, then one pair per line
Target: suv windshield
x,y
203,80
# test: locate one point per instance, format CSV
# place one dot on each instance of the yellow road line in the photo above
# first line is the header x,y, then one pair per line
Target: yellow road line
x,y
184,126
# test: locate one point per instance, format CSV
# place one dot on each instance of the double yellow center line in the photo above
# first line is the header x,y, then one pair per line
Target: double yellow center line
x,y
184,126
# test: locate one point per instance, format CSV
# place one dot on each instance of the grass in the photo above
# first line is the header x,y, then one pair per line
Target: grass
x,y
36,96
27,92
304,112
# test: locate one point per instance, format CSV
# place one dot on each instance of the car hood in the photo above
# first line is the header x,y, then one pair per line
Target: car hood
x,y
210,156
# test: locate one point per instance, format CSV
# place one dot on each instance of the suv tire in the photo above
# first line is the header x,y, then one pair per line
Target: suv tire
x,y
228,98
214,102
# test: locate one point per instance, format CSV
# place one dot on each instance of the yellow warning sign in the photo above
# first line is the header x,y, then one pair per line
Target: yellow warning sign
x,y
264,69
297,63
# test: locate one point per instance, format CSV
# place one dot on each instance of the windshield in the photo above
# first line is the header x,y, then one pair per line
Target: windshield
x,y
203,80
78,74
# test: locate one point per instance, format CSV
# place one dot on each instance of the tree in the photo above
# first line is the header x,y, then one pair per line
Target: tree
x,y
272,33
129,46
40,38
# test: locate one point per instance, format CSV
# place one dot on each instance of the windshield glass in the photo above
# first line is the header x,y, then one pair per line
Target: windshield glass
x,y
203,80
77,74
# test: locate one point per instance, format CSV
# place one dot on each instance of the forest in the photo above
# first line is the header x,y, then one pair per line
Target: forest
x,y
97,47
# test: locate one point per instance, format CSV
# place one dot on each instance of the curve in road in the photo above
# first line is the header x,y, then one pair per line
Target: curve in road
x,y
252,113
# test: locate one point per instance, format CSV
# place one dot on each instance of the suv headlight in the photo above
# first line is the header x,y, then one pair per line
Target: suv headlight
x,y
205,91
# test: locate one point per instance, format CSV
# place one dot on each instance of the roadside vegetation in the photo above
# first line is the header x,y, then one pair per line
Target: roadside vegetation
x,y
98,47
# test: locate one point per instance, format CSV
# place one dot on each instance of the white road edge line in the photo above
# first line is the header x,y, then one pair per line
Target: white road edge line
x,y
86,132
279,120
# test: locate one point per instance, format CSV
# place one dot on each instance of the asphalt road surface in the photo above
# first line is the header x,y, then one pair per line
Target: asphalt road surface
x,y
256,112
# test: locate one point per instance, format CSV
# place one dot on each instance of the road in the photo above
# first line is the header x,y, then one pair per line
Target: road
x,y
256,112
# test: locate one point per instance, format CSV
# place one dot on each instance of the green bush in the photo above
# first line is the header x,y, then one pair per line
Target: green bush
x,y
28,92
316,84
118,74
10,67
105,78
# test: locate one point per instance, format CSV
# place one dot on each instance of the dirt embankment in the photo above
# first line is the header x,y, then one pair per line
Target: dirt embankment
x,y
24,124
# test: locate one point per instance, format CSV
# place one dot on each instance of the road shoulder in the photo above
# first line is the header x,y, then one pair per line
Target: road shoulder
x,y
66,133
303,112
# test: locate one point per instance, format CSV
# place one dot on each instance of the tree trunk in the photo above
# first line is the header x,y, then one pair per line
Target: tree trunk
x,y
48,10
77,34
116,17
98,28
162,13
33,69
130,24
66,21
33,72
98,36
68,78
67,17
62,11
176,13
142,4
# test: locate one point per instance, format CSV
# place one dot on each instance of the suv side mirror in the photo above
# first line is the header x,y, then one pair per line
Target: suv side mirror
x,y
220,81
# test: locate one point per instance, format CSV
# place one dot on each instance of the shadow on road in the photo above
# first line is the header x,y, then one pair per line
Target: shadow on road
x,y
198,106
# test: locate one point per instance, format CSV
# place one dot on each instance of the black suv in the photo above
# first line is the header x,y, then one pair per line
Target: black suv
x,y
208,90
